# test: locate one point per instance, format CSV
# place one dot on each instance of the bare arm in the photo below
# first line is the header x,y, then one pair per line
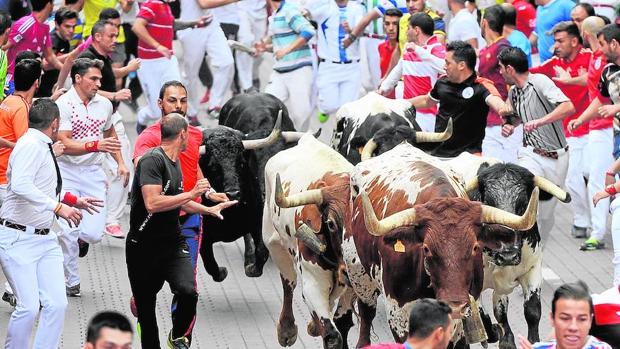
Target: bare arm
x,y
423,102
139,28
118,156
205,4
359,28
73,147
590,113
563,110
194,207
155,202
51,58
497,104
6,144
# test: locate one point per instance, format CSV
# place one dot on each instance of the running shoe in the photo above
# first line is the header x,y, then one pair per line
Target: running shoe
x,y
592,244
323,117
206,97
9,298
83,245
74,291
178,343
114,230
579,232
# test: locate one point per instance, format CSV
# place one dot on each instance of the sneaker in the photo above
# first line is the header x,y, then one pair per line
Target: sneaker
x,y
132,306
83,247
140,127
114,230
9,298
74,291
178,343
579,232
206,97
592,244
193,120
323,117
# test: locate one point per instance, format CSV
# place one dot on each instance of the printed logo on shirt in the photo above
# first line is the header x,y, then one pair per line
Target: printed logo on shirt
x,y
18,38
597,63
468,92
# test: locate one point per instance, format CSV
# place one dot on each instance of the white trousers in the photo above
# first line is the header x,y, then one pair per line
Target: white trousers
x,y
599,158
552,169
294,89
153,73
252,28
33,267
81,181
496,146
426,121
575,180
116,197
7,286
338,84
371,63
615,238
211,41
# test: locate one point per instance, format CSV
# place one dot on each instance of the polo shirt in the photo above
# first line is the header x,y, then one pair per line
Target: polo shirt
x,y
577,94
403,25
92,9
286,25
108,80
465,103
518,39
331,34
87,122
526,16
488,68
547,16
50,77
463,27
13,125
385,55
595,69
151,138
27,34
160,22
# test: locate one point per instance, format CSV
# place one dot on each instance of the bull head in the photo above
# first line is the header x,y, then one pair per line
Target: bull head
x,y
420,137
540,182
490,215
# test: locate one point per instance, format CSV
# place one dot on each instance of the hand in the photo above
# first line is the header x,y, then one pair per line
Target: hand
x,y
532,125
202,186
573,125
218,197
607,110
505,110
59,92
345,26
46,65
134,64
122,95
123,173
217,209
410,46
507,130
260,47
89,204
204,21
599,196
281,53
561,75
72,215
109,145
524,343
164,51
346,42
58,148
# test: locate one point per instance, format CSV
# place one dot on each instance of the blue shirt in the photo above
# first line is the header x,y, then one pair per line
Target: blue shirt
x,y
518,39
546,17
285,26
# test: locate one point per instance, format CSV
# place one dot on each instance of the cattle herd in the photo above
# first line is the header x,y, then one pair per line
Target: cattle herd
x,y
371,215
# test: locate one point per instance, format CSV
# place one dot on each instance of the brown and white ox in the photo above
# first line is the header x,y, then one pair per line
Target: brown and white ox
x,y
307,204
415,234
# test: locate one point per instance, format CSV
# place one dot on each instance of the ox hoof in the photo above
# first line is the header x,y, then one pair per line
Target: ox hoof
x,y
253,271
221,275
332,341
287,336
313,329
507,342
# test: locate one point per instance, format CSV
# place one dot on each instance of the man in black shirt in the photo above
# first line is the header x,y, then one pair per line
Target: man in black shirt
x,y
465,98
65,20
156,251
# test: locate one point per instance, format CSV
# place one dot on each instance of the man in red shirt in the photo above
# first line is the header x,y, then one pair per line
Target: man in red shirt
x,y
526,16
390,27
570,62
601,137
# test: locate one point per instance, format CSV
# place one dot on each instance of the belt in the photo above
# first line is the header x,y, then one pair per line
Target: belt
x,y
24,228
345,62
553,154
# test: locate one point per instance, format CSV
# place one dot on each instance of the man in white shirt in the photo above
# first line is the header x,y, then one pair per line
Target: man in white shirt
x,y
87,132
29,252
463,25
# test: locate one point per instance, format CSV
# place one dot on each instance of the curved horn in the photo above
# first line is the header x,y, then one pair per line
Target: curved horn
x,y
313,196
471,184
493,215
264,142
292,136
369,148
308,236
430,137
378,227
202,149
548,186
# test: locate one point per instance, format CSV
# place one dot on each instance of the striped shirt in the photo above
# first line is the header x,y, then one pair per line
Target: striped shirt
x,y
160,22
285,26
331,33
539,97
27,34
592,343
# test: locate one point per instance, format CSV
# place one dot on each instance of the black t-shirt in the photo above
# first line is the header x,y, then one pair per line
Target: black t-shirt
x,y
155,168
466,104
50,77
108,81
610,82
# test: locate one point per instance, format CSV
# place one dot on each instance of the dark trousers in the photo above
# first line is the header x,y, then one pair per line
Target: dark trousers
x,y
131,49
151,264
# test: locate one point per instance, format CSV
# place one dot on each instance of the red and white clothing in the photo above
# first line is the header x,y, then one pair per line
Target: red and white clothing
x,y
526,16
27,34
160,25
419,69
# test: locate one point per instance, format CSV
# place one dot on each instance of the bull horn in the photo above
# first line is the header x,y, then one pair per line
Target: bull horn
x,y
369,148
548,186
313,196
308,236
202,150
267,141
378,227
471,184
295,136
493,215
435,137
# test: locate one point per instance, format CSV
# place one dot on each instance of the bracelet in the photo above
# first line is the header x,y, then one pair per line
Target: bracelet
x,y
352,37
92,146
611,190
57,209
610,174
70,199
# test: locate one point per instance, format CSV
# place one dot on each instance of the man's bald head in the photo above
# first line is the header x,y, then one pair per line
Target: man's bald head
x,y
592,25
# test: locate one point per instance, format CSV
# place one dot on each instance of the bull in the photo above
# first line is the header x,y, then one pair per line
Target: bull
x,y
511,256
386,122
415,234
307,207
